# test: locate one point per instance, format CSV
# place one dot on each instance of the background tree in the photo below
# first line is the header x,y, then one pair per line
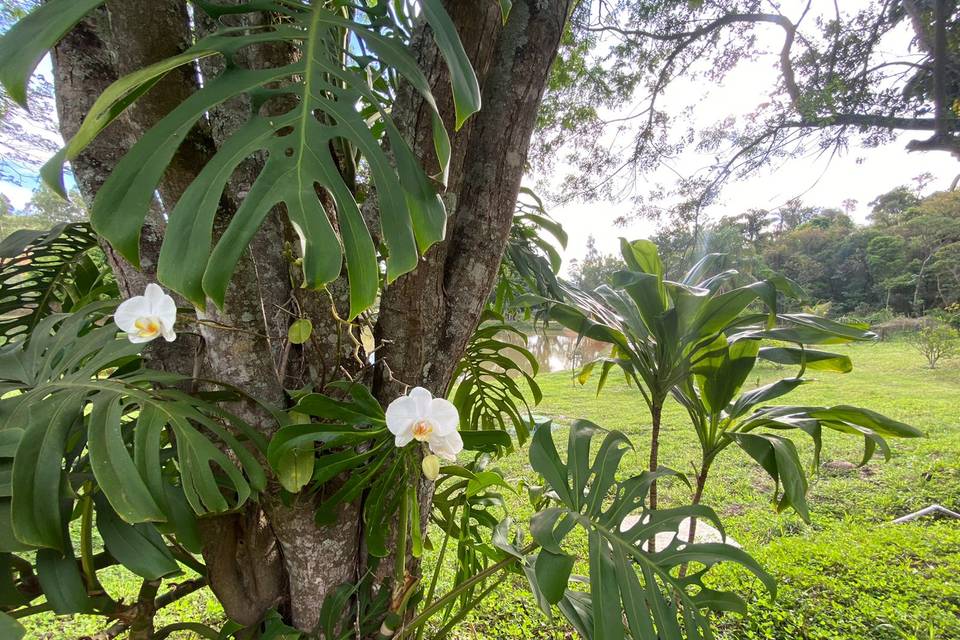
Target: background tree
x,y
48,208
866,72
594,268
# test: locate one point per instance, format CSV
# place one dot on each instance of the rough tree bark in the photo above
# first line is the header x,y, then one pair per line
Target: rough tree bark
x,y
272,556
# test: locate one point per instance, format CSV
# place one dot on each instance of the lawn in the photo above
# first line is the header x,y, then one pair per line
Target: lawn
x,y
849,574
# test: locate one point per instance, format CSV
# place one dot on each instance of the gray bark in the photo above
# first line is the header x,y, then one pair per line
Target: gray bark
x,y
270,555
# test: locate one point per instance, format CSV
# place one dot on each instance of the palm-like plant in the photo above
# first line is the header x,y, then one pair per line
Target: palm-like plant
x,y
698,340
721,417
660,330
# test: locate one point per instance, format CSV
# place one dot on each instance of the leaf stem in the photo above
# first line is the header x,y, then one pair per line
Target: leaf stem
x,y
460,588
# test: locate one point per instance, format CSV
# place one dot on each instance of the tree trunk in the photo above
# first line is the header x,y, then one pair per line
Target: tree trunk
x,y
270,555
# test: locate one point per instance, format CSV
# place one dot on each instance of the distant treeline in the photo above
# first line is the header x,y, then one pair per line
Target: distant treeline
x,y
906,259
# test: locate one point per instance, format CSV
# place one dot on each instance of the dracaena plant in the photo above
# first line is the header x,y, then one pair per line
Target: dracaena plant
x,y
698,340
659,329
632,592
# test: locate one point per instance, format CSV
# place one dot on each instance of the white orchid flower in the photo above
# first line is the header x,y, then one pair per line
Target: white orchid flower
x,y
421,417
144,318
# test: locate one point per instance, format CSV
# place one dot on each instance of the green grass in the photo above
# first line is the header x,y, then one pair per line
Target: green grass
x,y
849,574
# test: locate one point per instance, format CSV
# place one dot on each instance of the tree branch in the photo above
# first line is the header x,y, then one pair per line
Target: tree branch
x,y
131,614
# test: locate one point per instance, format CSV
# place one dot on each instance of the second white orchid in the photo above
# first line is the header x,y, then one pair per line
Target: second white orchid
x,y
144,318
421,417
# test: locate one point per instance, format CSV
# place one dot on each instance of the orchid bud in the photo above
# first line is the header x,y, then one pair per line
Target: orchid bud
x,y
431,467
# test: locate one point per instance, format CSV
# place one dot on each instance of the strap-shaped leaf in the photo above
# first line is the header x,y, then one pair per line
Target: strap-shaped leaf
x,y
139,547
10,628
61,582
779,458
810,358
339,89
22,48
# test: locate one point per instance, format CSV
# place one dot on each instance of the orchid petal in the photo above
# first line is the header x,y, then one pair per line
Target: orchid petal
x,y
444,416
448,446
130,311
422,397
401,414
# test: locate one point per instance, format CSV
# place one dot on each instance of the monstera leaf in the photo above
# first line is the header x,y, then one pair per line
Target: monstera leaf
x,y
336,93
641,591
44,272
78,407
488,391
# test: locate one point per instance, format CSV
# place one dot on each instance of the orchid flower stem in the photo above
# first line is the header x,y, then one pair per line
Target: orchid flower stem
x,y
439,565
454,593
400,566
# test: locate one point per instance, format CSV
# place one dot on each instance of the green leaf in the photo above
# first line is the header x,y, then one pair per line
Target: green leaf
x,y
342,102
140,548
721,377
553,573
62,582
811,358
779,457
295,468
642,256
763,394
27,41
113,467
300,331
10,628
79,386
38,276
466,88
37,472
505,7
485,389
625,576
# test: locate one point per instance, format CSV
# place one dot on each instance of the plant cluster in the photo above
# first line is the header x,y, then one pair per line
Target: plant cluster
x,y
98,445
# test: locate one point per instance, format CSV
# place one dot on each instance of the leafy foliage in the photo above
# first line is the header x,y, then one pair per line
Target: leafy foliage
x,y
660,329
86,429
630,582
532,259
337,92
935,341
45,272
699,341
468,506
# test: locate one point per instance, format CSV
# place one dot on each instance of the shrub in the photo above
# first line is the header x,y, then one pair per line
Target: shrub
x,y
936,340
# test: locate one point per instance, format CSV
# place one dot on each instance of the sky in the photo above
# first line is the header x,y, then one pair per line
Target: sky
x,y
859,174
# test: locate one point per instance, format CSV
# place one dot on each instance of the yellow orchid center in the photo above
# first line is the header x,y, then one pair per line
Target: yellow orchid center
x,y
147,327
422,430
